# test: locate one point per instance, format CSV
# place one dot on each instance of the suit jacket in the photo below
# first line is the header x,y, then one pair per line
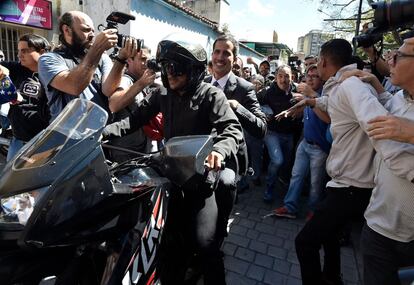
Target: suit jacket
x,y
251,117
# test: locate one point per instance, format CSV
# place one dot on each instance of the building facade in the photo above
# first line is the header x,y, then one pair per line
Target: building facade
x,y
310,44
214,10
154,21
272,51
301,41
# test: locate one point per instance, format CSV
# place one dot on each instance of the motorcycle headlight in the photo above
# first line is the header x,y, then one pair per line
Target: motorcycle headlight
x,y
19,208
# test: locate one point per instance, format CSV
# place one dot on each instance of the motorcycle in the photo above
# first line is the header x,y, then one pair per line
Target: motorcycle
x,y
66,212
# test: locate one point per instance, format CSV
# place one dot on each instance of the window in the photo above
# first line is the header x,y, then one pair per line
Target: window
x,y
9,36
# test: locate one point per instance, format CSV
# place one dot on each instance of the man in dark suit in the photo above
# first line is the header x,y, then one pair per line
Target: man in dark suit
x,y
240,93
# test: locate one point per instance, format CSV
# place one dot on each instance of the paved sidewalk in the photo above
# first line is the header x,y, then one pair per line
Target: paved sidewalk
x,y
261,250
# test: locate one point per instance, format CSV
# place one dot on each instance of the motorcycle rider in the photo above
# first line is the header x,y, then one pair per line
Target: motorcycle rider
x,y
197,213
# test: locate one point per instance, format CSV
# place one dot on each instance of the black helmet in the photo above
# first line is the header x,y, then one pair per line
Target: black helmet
x,y
180,57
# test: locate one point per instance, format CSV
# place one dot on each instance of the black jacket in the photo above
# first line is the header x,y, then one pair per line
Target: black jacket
x,y
252,119
278,101
206,112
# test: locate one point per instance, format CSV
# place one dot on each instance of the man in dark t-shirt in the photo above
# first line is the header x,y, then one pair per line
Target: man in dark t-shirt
x,y
30,47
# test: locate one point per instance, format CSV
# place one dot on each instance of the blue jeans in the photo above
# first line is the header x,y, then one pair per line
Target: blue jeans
x,y
15,146
279,147
308,157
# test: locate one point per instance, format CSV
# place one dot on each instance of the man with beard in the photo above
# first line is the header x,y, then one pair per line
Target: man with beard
x,y
80,67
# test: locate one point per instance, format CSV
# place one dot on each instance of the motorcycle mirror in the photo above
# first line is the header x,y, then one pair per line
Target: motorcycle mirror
x,y
183,157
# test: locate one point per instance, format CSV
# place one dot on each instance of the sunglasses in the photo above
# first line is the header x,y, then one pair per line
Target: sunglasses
x,y
393,57
173,68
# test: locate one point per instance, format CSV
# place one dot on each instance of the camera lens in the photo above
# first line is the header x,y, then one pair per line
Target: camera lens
x,y
393,15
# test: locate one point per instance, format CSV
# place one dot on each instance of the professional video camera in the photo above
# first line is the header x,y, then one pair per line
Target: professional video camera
x,y
394,16
112,22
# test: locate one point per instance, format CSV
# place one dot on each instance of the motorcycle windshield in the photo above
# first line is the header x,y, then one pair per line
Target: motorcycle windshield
x,y
80,120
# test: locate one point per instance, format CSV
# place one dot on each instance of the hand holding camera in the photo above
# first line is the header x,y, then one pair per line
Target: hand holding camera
x,y
105,40
121,41
129,50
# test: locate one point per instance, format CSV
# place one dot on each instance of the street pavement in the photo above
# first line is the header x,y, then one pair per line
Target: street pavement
x,y
261,250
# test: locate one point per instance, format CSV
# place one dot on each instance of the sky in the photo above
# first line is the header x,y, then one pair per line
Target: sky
x,y
256,19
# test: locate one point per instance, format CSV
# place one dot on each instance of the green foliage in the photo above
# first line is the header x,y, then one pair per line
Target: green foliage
x,y
225,28
342,16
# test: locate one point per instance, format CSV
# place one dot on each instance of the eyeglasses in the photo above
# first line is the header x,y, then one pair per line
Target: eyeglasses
x,y
393,57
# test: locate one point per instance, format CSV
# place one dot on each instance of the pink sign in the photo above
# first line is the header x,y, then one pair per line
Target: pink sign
x,y
36,13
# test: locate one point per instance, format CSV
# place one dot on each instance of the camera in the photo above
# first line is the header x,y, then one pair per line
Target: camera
x,y
367,39
112,22
390,16
387,16
153,65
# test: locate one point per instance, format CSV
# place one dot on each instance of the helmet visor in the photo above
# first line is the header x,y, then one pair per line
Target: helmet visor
x,y
173,68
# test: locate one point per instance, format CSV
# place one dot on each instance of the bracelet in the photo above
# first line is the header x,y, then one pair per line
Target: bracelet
x,y
118,59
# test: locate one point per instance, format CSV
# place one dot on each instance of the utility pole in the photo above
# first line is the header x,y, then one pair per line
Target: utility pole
x,y
358,22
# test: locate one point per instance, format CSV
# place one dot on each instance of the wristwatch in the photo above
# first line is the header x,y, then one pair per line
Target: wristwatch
x,y
123,61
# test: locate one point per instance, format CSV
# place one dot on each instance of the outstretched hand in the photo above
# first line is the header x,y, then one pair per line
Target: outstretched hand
x,y
391,127
365,77
293,111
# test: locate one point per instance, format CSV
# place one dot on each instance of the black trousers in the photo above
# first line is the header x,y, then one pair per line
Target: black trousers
x,y
383,257
340,206
196,223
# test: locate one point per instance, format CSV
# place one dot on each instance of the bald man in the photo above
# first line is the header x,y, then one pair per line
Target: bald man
x,y
80,67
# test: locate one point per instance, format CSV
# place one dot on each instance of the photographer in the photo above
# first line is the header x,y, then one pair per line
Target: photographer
x,y
80,67
379,66
133,88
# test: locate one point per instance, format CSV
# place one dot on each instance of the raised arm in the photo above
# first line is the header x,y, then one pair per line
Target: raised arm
x,y
74,81
124,96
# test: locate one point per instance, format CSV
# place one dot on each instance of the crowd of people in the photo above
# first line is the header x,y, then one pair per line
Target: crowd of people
x,y
341,126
